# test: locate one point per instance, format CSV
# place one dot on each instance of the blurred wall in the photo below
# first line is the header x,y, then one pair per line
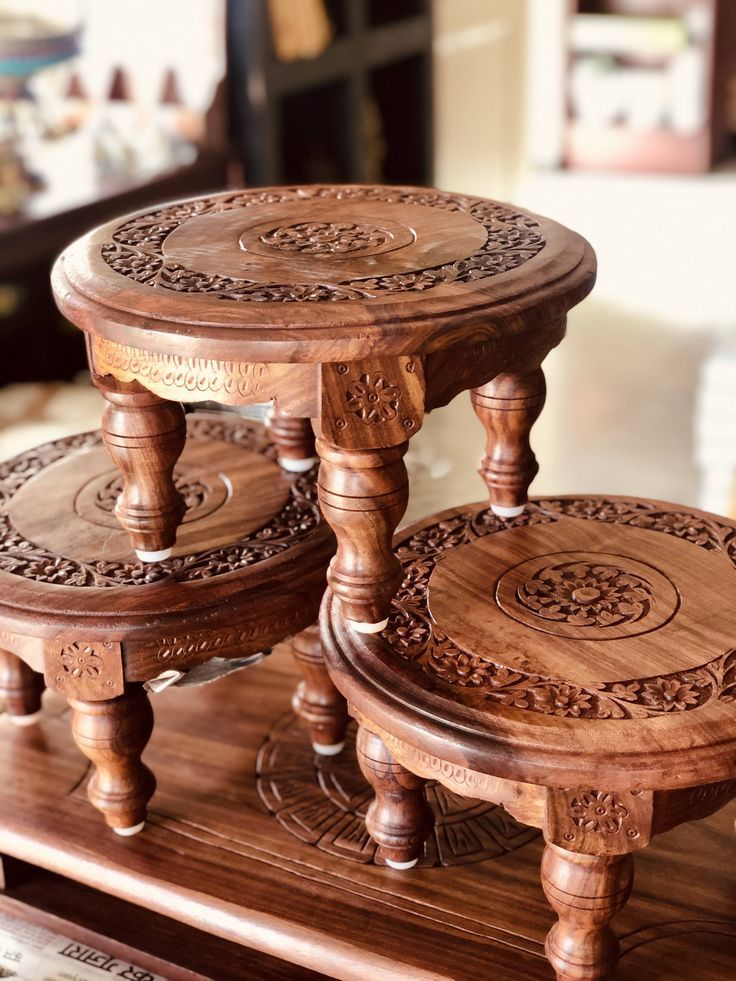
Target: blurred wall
x,y
479,64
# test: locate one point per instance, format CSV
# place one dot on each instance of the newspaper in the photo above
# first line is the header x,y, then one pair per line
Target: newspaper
x,y
31,953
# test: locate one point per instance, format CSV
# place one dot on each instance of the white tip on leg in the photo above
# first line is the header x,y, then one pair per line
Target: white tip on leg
x,y
332,750
504,512
369,628
401,866
26,720
160,556
129,832
297,466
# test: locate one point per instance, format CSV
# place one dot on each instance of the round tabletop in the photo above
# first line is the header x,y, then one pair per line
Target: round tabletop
x,y
306,274
589,641
248,568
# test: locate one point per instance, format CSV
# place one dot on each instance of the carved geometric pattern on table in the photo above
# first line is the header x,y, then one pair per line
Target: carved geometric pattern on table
x,y
414,635
322,800
137,249
297,519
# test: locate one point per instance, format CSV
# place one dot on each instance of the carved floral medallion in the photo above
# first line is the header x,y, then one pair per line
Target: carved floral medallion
x,y
509,239
373,399
194,491
586,594
325,238
597,811
81,661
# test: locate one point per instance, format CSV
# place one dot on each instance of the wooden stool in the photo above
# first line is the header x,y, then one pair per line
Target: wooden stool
x,y
248,571
357,307
575,664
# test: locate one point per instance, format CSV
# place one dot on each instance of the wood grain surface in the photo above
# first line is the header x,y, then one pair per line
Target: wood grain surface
x,y
153,942
356,306
319,273
213,857
248,568
588,642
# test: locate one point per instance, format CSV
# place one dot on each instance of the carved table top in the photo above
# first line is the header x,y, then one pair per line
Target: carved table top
x,y
67,569
300,274
586,640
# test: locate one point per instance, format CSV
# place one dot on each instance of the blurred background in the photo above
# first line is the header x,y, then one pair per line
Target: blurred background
x,y
615,117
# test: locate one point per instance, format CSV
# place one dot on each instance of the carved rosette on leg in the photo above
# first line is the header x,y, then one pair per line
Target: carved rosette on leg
x,y
145,436
113,735
508,407
363,495
399,819
294,440
21,689
316,701
586,892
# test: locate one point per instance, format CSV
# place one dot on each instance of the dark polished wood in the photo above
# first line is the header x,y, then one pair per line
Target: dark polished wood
x,y
113,735
363,494
209,833
586,892
145,435
359,307
20,689
155,943
574,664
399,818
508,407
294,441
247,571
316,700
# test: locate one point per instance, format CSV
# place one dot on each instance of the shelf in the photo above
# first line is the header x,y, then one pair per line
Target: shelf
x,y
380,46
131,933
624,148
310,119
249,840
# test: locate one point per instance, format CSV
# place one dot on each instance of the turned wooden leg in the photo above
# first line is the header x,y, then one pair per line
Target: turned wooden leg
x,y
145,435
316,701
399,819
21,689
508,407
294,439
586,892
113,735
363,494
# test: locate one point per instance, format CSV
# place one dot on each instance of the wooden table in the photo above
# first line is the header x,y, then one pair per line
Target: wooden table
x,y
358,307
218,882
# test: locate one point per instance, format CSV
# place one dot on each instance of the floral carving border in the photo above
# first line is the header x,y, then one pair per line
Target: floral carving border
x,y
294,523
136,249
414,636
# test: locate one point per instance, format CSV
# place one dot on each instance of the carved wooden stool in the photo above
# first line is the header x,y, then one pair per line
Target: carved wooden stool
x,y
575,664
247,572
359,308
